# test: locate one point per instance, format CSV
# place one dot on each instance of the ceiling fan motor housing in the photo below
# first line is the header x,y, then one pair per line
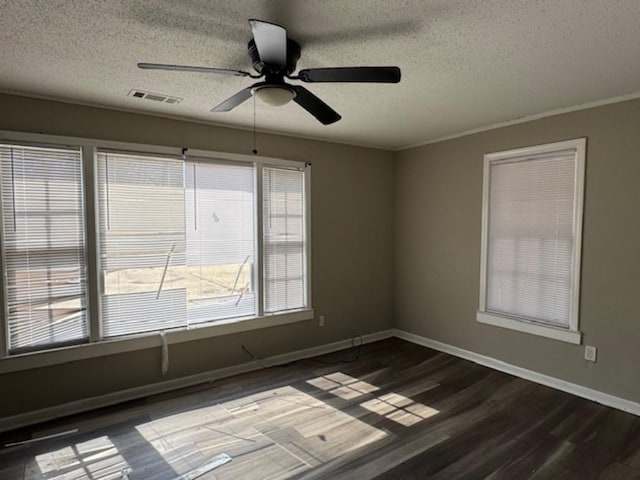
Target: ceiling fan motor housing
x,y
293,55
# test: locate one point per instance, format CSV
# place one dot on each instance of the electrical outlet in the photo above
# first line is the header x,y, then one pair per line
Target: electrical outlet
x,y
321,321
590,353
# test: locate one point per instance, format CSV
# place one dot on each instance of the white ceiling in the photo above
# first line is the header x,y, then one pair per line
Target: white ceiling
x,y
466,64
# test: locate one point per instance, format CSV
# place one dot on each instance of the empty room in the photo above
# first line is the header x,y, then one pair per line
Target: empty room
x,y
276,239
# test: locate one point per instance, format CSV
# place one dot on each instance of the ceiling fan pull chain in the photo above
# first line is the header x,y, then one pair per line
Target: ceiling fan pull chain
x,y
255,148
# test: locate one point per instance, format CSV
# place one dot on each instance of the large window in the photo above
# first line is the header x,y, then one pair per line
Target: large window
x,y
42,247
531,239
179,242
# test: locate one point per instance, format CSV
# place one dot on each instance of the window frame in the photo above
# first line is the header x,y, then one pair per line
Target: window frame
x,y
571,334
95,345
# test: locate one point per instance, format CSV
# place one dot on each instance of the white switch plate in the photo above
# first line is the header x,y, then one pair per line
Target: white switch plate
x,y
321,321
590,353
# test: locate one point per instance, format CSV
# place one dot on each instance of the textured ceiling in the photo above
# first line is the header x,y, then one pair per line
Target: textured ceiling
x,y
466,64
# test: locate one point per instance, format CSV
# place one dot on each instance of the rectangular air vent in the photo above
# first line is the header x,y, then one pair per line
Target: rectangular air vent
x,y
156,97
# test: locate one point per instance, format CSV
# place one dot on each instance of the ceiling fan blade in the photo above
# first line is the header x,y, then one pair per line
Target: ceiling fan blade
x,y
187,68
351,74
316,107
233,101
271,42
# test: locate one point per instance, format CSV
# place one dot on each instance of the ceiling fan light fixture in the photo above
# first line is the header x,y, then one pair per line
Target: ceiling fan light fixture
x,y
274,95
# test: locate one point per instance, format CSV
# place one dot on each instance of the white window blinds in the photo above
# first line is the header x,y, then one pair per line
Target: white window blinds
x,y
284,239
531,239
177,242
142,243
43,242
220,241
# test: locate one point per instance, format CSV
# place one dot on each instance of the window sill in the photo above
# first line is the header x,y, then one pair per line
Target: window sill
x,y
130,343
564,335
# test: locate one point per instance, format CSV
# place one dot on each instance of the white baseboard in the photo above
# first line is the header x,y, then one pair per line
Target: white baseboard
x,y
51,413
578,390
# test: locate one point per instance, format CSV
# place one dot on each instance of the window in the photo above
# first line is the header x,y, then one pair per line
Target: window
x,y
532,227
173,244
177,242
142,243
42,247
220,241
284,239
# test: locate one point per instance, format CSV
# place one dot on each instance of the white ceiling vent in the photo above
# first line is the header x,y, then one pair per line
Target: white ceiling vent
x,y
156,97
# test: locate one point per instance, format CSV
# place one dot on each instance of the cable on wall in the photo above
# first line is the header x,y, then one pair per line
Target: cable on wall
x,y
356,344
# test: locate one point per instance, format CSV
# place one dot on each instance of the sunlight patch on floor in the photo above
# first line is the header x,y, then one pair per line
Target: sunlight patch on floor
x,y
94,459
283,430
399,408
342,385
393,406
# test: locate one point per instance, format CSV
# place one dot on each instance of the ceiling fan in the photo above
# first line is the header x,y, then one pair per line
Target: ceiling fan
x,y
274,57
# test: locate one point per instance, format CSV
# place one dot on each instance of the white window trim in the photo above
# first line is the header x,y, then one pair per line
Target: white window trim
x,y
571,334
97,347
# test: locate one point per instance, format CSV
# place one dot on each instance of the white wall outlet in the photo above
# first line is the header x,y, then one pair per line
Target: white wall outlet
x,y
321,321
590,353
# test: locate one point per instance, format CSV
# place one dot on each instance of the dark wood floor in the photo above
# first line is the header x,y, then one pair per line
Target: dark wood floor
x,y
399,412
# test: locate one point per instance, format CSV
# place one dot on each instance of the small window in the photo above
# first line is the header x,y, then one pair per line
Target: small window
x,y
532,229
43,247
284,239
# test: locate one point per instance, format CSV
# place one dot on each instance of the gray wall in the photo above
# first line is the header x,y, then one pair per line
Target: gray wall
x,y
352,257
438,194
